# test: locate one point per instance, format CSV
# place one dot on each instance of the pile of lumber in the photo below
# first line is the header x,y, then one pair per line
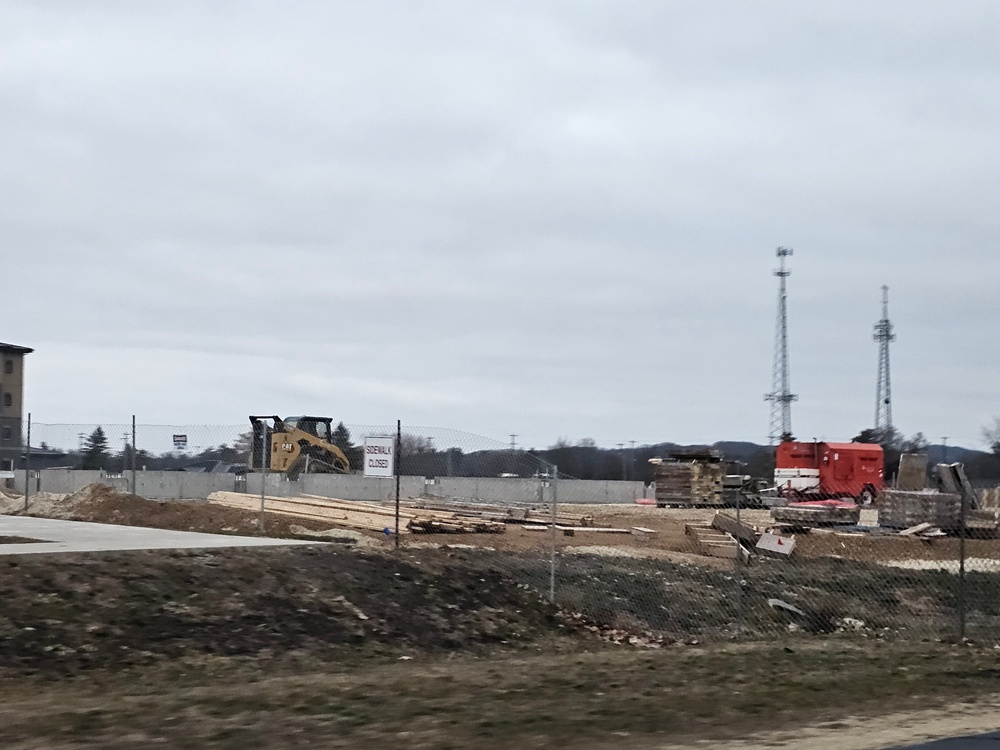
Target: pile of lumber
x,y
813,514
442,524
989,498
359,515
534,514
901,509
638,531
943,510
923,530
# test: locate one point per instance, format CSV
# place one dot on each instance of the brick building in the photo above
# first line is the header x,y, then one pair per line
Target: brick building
x,y
11,403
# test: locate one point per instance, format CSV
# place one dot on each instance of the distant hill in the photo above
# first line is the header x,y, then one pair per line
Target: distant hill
x,y
593,462
739,451
937,454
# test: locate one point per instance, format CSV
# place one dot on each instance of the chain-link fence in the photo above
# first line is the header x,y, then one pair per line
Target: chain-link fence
x,y
602,549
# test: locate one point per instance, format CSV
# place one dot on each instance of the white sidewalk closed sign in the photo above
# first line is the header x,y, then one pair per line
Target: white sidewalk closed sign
x,y
379,454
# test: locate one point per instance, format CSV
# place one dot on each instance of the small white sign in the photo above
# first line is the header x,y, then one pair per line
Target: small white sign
x,y
379,455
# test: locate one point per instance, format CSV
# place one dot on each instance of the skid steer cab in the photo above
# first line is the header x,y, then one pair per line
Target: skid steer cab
x,y
294,446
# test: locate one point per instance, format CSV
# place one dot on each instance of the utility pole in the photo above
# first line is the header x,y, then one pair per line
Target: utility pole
x,y
621,452
781,396
884,336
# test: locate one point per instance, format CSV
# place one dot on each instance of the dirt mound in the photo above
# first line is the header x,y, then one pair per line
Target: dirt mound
x,y
134,607
101,503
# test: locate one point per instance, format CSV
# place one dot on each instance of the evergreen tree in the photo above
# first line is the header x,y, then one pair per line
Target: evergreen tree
x,y
341,437
95,450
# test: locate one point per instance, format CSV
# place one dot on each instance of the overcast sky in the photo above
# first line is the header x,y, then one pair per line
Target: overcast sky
x,y
540,217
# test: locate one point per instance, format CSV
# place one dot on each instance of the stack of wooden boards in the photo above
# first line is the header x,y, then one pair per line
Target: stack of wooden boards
x,y
912,504
903,510
360,515
817,514
523,514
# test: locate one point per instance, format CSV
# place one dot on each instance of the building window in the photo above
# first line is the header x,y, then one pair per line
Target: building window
x,y
8,366
7,433
8,400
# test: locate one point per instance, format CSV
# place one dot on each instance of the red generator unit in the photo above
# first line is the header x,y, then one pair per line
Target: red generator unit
x,y
807,471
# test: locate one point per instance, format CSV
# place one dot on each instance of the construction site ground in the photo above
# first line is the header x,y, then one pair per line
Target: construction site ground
x,y
443,644
102,504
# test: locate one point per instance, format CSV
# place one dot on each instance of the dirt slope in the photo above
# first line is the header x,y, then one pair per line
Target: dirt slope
x,y
84,611
100,503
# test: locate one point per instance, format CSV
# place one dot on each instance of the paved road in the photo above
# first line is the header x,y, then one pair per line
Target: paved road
x,y
980,742
76,536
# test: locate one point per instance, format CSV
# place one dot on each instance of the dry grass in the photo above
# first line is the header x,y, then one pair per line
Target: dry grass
x,y
546,698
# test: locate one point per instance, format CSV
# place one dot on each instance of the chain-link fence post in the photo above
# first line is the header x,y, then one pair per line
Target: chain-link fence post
x,y
738,568
265,439
961,564
398,462
27,465
553,474
134,451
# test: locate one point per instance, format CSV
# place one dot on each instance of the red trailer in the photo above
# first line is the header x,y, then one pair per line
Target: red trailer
x,y
827,470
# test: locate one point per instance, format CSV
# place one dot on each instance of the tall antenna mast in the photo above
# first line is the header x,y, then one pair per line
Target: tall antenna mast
x,y
883,391
781,397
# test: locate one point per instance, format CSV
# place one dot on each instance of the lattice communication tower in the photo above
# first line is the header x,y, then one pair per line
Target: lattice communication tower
x,y
781,397
884,336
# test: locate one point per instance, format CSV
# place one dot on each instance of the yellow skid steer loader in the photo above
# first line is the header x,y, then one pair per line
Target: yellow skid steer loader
x,y
295,445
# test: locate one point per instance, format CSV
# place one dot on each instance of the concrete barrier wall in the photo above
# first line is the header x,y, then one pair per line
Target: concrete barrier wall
x,y
594,491
166,485
169,485
485,489
344,487
59,481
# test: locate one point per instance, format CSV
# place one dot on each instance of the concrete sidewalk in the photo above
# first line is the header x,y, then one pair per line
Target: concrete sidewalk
x,y
77,536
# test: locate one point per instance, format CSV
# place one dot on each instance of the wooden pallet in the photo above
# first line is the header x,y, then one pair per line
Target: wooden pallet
x,y
712,542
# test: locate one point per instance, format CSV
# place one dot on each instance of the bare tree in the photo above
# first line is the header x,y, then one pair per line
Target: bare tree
x,y
410,444
991,435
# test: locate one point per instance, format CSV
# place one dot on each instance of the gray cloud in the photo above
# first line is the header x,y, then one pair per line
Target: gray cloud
x,y
546,218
